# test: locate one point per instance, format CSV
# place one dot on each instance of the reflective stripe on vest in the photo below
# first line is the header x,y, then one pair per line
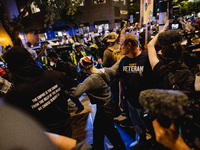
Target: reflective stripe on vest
x,y
45,61
73,57
2,59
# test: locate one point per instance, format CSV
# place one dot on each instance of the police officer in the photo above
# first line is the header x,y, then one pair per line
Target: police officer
x,y
75,56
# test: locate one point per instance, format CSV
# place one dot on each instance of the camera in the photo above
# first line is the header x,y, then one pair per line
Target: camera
x,y
175,24
127,30
187,123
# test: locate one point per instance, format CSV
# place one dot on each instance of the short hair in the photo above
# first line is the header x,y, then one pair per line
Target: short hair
x,y
52,54
132,39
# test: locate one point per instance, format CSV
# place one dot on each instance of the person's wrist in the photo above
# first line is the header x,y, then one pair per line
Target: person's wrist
x,y
180,144
163,30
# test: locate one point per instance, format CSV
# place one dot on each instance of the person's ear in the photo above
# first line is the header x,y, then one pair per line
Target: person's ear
x,y
129,45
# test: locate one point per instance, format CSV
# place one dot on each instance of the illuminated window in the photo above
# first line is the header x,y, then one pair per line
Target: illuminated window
x,y
99,1
124,2
123,12
102,27
77,1
34,8
121,1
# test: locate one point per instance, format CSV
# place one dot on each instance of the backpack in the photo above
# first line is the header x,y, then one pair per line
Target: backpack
x,y
72,70
180,80
116,54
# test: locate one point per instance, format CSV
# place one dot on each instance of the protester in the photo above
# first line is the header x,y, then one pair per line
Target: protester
x,y
135,71
142,38
96,86
65,68
108,61
19,129
100,45
75,56
40,93
65,40
169,137
172,73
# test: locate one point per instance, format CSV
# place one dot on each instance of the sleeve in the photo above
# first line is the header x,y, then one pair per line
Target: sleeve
x,y
157,69
67,81
115,67
63,67
106,58
84,87
112,74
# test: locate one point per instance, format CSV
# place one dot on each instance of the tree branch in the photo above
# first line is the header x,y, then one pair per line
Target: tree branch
x,y
21,15
5,19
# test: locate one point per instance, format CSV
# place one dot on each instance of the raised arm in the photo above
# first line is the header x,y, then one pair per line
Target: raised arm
x,y
169,137
151,48
66,143
41,53
62,142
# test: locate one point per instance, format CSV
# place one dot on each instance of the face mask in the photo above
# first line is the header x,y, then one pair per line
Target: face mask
x,y
52,63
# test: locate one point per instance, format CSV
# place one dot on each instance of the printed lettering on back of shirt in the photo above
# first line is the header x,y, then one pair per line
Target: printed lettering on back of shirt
x,y
46,98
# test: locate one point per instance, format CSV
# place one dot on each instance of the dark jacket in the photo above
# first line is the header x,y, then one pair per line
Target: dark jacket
x,y
40,93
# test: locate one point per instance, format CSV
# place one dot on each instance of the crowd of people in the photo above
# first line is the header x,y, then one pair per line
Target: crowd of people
x,y
112,69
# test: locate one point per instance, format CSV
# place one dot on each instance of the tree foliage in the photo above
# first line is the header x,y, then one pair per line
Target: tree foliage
x,y
132,9
57,8
71,19
186,8
53,11
26,25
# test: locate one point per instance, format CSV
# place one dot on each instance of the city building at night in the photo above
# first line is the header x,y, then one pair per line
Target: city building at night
x,y
96,16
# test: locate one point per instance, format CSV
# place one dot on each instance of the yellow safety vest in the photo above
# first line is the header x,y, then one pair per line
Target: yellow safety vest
x,y
2,59
73,57
45,61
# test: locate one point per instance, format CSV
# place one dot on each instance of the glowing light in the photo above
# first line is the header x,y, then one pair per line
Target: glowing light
x,y
21,37
124,12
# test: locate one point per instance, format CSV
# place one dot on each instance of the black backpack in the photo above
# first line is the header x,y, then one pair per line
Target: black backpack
x,y
72,70
179,80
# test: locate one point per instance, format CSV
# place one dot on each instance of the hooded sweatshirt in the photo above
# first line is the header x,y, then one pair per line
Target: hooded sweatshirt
x,y
40,93
96,86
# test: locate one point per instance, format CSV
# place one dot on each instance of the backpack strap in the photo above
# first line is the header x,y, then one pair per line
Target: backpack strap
x,y
101,77
111,49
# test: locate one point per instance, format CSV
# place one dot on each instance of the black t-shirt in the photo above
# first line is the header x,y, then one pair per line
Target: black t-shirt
x,y
78,56
157,70
44,97
137,75
61,66
67,67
